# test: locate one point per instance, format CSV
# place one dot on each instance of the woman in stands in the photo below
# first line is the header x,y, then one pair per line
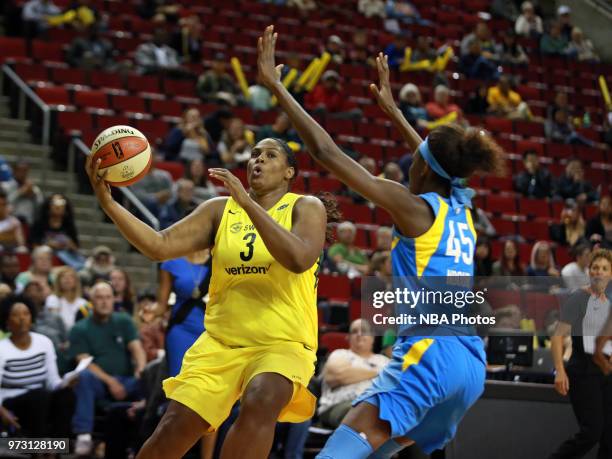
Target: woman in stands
x,y
261,317
435,374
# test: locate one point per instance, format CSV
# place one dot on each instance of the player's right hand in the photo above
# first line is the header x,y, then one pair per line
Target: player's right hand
x,y
383,92
269,72
601,360
99,185
562,383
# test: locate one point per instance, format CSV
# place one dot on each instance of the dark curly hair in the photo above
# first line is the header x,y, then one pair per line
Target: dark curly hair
x,y
6,305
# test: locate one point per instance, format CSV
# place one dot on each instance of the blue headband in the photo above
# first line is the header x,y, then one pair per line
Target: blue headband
x,y
461,196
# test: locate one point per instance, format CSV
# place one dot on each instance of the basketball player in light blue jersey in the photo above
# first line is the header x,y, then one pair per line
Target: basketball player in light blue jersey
x,y
435,377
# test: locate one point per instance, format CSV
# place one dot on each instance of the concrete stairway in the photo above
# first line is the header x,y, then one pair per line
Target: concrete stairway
x,y
16,143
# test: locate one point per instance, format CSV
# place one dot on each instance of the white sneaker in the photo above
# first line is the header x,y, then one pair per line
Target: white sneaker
x,y
83,445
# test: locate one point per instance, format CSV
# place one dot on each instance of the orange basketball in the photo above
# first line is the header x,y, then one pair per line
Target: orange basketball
x,y
125,153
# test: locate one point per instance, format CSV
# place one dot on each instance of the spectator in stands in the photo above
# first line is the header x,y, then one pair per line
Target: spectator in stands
x,y
98,266
369,164
33,399
509,263
483,258
216,85
281,129
571,229
482,224
236,143
348,258
66,299
122,290
583,315
576,273
35,15
260,97
47,323
505,102
203,189
189,140
361,52
154,190
392,171
372,8
56,228
159,11
412,106
560,129
474,64
23,195
441,105
553,42
329,97
112,340
384,238
150,326
303,6
9,269
396,51
559,103
156,57
40,270
382,272
79,15
581,48
91,51
573,185
565,21
180,206
405,12
599,228
347,373
528,24
11,231
187,40
217,122
510,52
478,103
482,35
542,262
335,47
535,181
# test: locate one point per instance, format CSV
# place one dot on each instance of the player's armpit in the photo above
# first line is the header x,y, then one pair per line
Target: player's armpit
x,y
194,232
309,225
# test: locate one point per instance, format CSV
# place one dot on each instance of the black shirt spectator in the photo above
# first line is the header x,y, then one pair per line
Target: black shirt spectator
x,y
572,184
55,226
218,122
187,41
571,229
216,84
483,260
535,181
9,269
478,103
181,206
599,228
510,52
91,50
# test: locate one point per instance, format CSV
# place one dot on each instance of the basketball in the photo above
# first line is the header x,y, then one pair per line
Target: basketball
x,y
125,153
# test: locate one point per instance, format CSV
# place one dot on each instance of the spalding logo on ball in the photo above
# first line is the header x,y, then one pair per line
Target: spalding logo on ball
x,y
125,153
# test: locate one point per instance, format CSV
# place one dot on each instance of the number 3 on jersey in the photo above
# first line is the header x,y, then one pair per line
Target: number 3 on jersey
x,y
461,246
250,238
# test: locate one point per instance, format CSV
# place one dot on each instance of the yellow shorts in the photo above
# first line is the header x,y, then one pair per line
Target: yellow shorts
x,y
213,376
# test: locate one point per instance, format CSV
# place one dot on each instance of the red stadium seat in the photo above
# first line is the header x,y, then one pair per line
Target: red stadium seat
x,y
153,129
534,207
179,88
54,95
336,287
134,104
346,127
63,75
140,83
523,145
44,51
106,121
356,213
31,72
12,48
529,128
535,230
498,125
503,226
501,204
334,340
106,80
77,120
381,217
176,169
318,184
498,183
166,107
91,99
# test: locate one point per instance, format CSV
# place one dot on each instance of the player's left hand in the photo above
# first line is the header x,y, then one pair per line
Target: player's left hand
x,y
383,94
232,183
600,359
269,72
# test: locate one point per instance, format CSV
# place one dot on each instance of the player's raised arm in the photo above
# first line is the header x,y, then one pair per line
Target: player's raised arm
x,y
192,233
390,195
384,97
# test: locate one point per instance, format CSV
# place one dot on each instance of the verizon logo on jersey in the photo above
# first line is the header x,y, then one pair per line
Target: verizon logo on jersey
x,y
238,270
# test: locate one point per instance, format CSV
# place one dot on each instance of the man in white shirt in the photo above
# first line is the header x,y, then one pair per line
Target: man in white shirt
x,y
347,373
35,14
576,274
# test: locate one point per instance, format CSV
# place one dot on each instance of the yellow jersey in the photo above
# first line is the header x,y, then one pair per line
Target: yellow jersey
x,y
253,299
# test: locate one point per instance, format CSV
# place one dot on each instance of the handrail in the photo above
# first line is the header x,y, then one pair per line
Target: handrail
x,y
27,91
129,194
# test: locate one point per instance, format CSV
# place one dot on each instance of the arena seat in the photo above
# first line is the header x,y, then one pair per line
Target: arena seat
x,y
535,230
45,51
175,168
67,75
91,99
334,287
13,48
334,340
133,104
501,204
53,95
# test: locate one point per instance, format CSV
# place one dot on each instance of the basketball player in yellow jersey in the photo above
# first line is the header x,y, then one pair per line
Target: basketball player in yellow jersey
x,y
261,319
